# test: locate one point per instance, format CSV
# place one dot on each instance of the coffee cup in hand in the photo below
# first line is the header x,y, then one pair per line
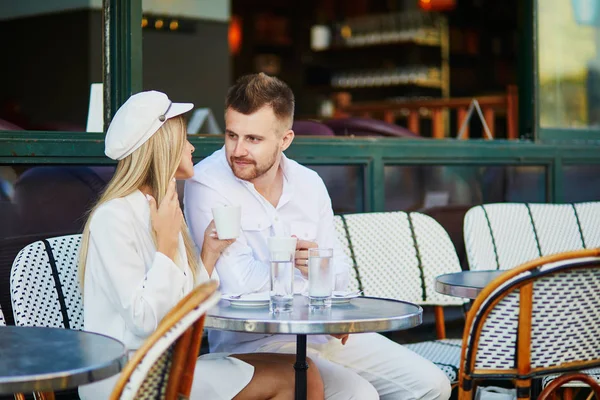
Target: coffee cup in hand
x,y
227,221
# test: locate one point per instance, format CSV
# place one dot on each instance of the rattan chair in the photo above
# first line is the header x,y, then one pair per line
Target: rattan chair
x,y
504,235
550,390
537,319
163,367
398,255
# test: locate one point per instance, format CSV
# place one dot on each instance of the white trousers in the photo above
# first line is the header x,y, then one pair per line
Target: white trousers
x,y
370,366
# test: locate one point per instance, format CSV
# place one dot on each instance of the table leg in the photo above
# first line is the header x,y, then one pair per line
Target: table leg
x,y
301,366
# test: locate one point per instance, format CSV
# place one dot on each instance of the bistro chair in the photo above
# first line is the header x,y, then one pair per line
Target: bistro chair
x,y
398,255
550,390
44,286
341,231
540,318
9,248
504,235
163,368
2,320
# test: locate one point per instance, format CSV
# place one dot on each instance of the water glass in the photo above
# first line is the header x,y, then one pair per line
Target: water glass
x,y
282,250
320,277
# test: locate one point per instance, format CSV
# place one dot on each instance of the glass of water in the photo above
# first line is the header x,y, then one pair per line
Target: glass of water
x,y
282,250
320,277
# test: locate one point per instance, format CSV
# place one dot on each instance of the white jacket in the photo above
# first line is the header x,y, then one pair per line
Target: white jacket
x,y
129,286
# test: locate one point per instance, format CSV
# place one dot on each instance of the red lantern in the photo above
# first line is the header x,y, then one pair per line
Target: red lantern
x,y
437,5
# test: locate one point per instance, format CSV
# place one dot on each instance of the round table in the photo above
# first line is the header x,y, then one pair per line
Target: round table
x,y
467,284
361,314
36,359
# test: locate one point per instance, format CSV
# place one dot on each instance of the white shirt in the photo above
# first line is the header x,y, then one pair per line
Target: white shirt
x,y
304,210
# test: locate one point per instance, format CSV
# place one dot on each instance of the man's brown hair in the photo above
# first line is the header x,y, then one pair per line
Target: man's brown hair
x,y
252,92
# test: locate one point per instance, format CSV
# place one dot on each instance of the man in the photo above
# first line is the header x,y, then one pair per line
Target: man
x,y
280,197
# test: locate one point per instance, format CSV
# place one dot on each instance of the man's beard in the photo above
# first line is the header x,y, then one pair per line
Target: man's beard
x,y
252,171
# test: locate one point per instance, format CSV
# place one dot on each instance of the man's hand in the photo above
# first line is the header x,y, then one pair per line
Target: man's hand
x,y
302,247
344,337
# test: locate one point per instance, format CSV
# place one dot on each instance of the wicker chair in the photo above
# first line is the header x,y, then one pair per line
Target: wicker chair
x,y
504,235
537,319
44,286
398,255
163,368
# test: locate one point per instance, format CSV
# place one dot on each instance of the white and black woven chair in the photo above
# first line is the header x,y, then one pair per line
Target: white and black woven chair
x,y
503,235
44,286
537,319
341,231
163,368
2,320
398,255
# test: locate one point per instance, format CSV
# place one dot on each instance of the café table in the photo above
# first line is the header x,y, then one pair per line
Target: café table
x,y
359,315
466,284
40,359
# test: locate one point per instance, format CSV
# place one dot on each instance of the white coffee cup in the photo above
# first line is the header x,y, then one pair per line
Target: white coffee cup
x,y
227,221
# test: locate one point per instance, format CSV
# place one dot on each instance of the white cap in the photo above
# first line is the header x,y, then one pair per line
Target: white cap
x,y
137,120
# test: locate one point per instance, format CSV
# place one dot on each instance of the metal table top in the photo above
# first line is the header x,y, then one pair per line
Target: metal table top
x,y
48,359
361,314
467,284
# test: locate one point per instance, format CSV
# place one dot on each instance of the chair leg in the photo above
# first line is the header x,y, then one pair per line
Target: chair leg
x,y
524,387
568,394
43,395
440,323
464,394
19,396
591,396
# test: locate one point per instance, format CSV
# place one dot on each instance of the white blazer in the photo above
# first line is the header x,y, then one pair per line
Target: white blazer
x,y
129,287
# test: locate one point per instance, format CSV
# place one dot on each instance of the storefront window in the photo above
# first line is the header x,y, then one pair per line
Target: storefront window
x,y
568,60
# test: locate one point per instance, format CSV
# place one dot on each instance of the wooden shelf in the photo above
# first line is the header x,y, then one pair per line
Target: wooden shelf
x,y
432,40
424,83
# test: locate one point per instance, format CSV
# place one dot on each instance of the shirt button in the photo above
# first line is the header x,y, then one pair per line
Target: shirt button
x,y
276,219
306,235
227,253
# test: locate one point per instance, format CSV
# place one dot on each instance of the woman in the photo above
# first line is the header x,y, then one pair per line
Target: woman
x,y
137,259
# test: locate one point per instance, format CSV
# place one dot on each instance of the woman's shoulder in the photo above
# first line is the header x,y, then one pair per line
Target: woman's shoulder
x,y
113,211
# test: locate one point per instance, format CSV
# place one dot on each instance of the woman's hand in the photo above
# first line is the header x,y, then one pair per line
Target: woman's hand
x,y
212,247
166,221
343,337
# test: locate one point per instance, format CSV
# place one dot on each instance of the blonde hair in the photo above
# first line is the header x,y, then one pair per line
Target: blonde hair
x,y
153,165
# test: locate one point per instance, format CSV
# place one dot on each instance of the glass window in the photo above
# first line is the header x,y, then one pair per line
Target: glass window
x,y
568,63
581,183
51,57
412,188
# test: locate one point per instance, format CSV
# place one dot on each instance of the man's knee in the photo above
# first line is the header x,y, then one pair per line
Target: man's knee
x,y
357,389
440,388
